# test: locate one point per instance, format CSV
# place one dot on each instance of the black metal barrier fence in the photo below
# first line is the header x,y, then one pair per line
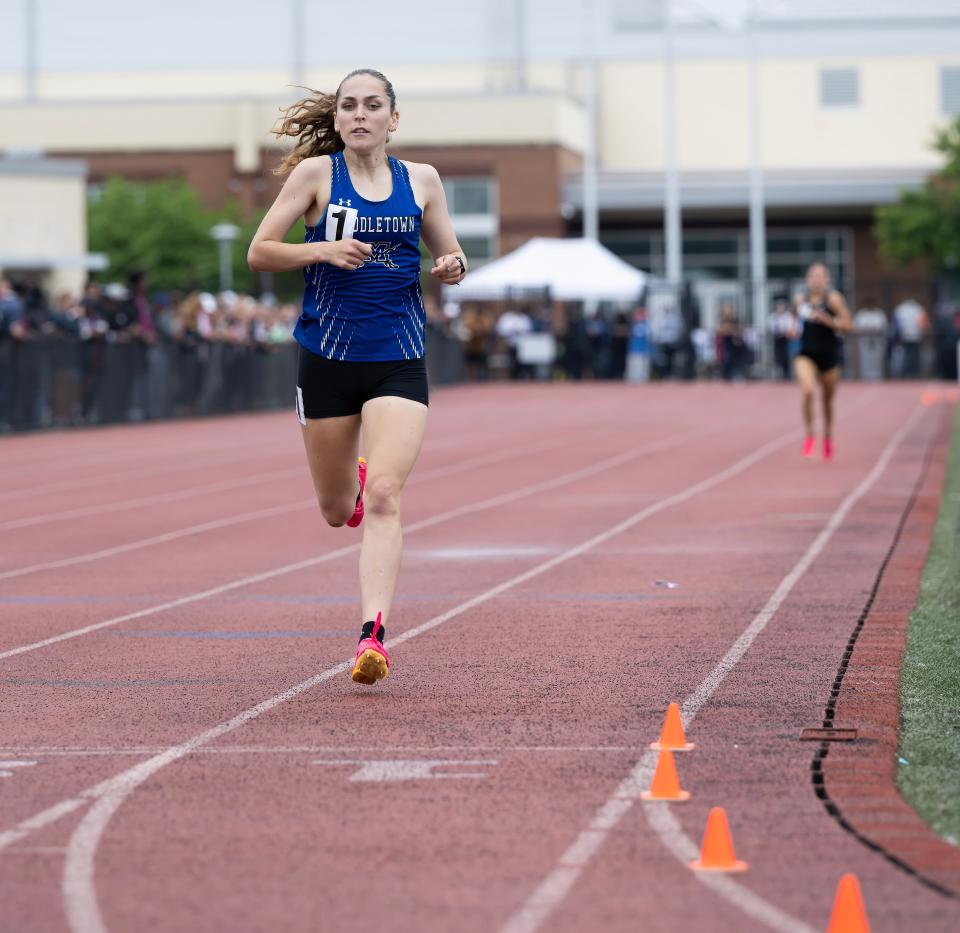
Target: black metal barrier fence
x,y
51,382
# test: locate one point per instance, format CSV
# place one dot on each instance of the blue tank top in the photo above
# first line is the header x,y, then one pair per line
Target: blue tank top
x,y
374,313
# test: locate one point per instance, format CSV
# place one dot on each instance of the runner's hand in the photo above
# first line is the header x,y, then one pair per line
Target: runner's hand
x,y
345,254
447,269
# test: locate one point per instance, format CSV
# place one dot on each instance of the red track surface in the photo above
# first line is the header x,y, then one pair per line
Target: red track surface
x,y
541,696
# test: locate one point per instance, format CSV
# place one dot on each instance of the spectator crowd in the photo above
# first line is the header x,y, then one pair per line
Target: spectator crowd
x,y
122,352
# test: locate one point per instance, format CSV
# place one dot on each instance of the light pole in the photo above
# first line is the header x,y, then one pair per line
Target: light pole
x,y
225,233
671,192
758,231
591,211
298,34
30,43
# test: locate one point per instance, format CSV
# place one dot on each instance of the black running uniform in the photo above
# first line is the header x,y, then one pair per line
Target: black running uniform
x,y
819,343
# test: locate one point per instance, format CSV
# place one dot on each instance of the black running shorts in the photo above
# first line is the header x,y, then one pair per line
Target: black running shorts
x,y
824,360
334,388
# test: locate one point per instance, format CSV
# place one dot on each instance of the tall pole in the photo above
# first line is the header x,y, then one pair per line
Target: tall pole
x,y
520,14
591,219
298,38
226,264
30,47
671,192
758,233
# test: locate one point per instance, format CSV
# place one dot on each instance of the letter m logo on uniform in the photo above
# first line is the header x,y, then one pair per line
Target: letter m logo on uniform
x,y
381,253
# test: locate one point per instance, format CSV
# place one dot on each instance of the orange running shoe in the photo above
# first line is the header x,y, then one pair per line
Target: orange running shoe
x,y
372,662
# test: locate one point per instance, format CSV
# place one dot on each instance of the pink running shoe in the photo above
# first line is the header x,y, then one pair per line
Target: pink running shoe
x,y
808,445
372,662
358,509
827,449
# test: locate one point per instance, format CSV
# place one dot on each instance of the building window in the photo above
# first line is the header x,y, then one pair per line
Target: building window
x,y
839,87
470,195
724,254
950,90
472,203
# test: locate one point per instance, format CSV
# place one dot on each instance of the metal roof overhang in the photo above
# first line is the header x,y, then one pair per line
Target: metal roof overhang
x,y
644,191
93,261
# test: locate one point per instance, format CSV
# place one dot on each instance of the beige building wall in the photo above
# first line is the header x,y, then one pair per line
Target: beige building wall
x,y
43,222
244,126
892,125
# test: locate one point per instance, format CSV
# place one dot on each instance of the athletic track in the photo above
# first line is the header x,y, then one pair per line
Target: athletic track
x,y
183,749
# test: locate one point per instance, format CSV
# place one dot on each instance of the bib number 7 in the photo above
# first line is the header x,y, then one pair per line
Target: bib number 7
x,y
341,222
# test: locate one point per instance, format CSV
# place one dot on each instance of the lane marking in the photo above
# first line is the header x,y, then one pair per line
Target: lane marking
x,y
549,894
216,524
54,451
459,512
410,769
78,888
158,499
36,850
33,490
156,539
5,765
140,750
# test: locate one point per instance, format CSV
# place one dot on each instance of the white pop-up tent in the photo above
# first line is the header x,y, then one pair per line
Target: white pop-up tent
x,y
572,269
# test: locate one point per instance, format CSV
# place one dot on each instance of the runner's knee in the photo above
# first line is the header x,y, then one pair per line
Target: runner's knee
x,y
335,511
382,497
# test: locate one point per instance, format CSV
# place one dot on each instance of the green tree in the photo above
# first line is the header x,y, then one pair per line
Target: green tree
x,y
162,228
159,227
925,224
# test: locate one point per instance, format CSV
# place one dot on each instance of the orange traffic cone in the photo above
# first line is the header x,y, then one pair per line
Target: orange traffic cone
x,y
671,735
716,853
666,785
849,915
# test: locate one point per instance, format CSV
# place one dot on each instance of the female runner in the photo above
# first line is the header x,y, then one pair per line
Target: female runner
x,y
824,315
361,332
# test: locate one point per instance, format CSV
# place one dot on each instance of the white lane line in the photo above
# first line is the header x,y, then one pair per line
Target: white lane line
x,y
157,539
37,850
57,461
175,535
79,893
459,512
140,750
5,767
158,499
181,466
549,894
80,882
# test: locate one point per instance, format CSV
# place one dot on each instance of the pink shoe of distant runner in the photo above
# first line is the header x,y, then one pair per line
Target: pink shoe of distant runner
x,y
358,509
808,445
827,449
372,662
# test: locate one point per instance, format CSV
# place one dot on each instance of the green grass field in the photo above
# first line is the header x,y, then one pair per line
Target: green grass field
x,y
929,771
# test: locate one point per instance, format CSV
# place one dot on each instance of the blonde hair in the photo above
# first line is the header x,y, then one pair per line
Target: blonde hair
x,y
310,122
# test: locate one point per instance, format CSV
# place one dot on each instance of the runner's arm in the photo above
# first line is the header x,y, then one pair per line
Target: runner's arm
x,y
449,262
